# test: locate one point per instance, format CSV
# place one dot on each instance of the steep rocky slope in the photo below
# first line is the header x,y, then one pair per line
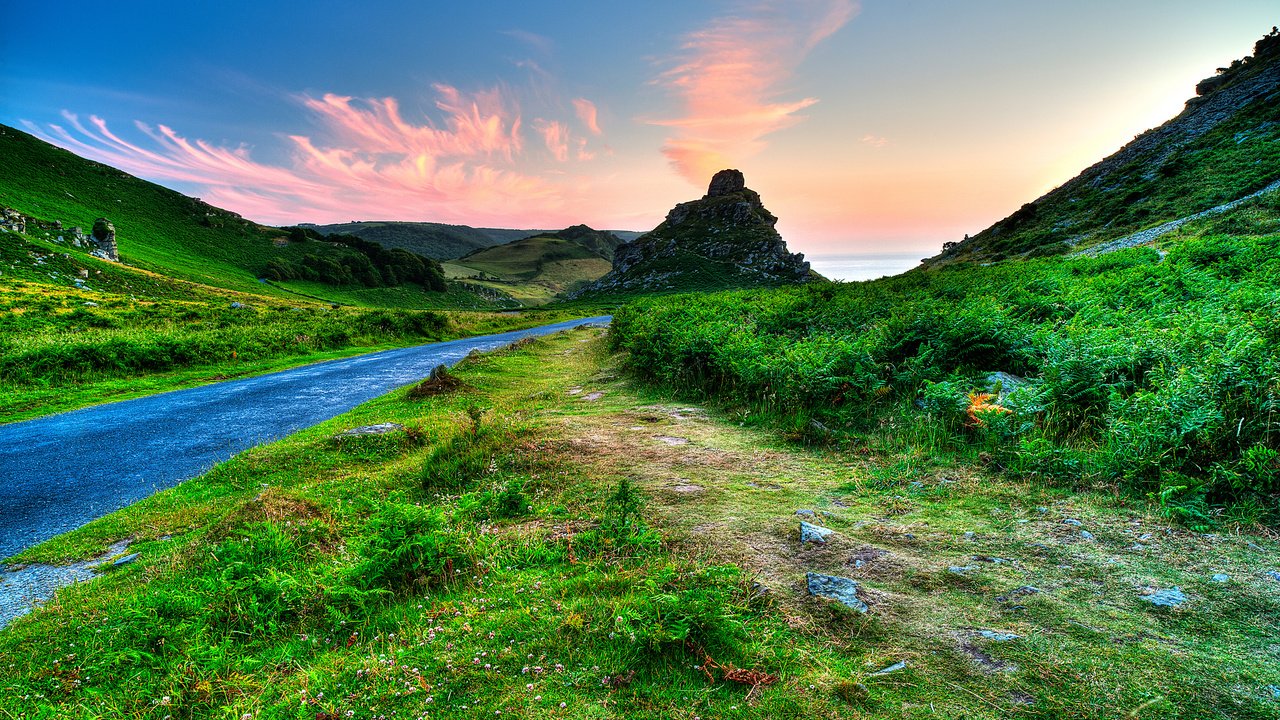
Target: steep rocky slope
x,y
725,239
1225,145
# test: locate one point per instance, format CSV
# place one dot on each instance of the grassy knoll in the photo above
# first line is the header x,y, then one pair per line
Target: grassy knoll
x,y
551,540
533,269
1157,372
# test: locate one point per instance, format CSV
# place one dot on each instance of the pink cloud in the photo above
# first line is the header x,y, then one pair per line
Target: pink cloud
x,y
730,75
878,141
366,161
588,115
556,137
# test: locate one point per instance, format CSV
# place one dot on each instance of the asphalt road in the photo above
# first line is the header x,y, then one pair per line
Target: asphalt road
x,y
62,471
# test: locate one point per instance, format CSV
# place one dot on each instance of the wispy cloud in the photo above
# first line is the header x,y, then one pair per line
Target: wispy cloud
x,y
731,74
587,113
555,135
366,160
878,141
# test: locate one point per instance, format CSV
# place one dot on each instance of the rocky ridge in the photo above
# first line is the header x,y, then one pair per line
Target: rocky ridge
x,y
726,238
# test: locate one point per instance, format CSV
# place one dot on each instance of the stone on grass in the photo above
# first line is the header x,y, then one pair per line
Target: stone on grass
x,y
998,636
125,560
1168,597
1273,575
961,569
900,665
1086,534
841,589
805,513
1072,521
1221,577
379,429
814,533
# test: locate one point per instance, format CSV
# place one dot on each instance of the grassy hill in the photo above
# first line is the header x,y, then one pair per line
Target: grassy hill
x,y
537,269
446,242
1224,146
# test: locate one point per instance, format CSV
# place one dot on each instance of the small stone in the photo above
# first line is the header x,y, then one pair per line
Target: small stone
x,y
1042,510
1169,597
841,589
961,569
901,665
1273,575
969,534
125,560
379,429
90,303
237,305
1072,521
1220,577
814,533
805,513
592,397
1086,534
998,636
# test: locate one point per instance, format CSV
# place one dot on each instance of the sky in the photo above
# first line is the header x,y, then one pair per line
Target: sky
x,y
880,126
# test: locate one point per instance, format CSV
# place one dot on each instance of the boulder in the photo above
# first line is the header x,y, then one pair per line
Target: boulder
x,y
841,589
104,237
810,533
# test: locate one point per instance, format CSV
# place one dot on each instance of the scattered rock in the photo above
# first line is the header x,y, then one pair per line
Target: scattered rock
x,y
901,665
592,397
999,636
1168,597
379,429
969,534
670,440
961,569
1273,575
90,303
575,391
237,305
1221,577
686,488
125,560
805,513
1086,534
841,589
810,533
1072,521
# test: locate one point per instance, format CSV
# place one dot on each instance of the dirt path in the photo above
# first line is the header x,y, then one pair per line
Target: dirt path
x,y
1151,234
965,573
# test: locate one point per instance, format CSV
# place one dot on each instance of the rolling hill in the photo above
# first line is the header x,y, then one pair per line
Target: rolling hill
x,y
536,269
438,240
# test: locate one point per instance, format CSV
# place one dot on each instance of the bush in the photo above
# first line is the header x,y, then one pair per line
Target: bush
x,y
408,548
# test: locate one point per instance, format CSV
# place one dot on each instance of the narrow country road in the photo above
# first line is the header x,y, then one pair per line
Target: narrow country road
x,y
59,472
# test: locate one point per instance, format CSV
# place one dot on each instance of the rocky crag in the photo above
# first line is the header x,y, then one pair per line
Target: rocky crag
x,y
725,239
100,243
1223,147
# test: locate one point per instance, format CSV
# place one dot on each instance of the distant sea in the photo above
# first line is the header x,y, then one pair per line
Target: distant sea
x,y
867,266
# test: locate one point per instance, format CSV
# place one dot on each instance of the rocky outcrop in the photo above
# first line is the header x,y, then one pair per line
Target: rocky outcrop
x,y
724,239
104,237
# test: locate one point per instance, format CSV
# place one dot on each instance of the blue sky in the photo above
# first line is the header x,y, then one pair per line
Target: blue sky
x,y
885,125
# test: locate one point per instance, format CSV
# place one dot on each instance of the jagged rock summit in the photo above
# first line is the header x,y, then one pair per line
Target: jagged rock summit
x,y
726,239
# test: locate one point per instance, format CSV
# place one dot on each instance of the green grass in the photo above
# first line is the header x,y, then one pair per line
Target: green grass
x,y
1154,374
311,578
534,270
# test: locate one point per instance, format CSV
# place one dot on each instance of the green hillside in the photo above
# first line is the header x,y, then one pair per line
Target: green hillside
x,y
532,269
1224,146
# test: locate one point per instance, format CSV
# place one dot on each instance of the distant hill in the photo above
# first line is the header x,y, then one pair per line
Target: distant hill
x,y
726,239
535,269
1224,146
437,240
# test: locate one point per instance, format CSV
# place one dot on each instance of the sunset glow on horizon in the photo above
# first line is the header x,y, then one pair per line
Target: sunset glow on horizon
x,y
866,127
